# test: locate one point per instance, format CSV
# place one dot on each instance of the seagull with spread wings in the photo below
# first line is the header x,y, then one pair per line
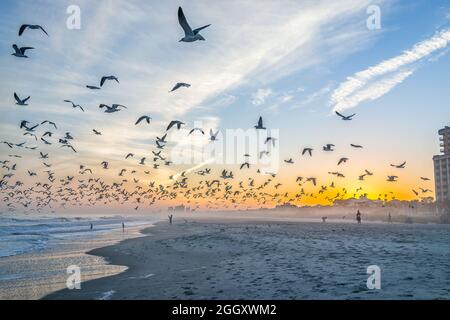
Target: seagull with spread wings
x,y
74,105
347,118
31,27
20,52
113,108
399,166
173,123
180,85
21,102
213,136
49,122
104,78
146,118
196,129
189,34
260,125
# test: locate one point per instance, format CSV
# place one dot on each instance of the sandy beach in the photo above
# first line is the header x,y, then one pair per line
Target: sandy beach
x,y
275,260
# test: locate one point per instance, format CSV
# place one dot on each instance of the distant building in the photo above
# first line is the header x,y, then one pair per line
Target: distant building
x,y
442,166
286,206
361,201
180,208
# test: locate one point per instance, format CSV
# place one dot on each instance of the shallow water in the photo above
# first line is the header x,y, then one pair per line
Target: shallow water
x,y
35,254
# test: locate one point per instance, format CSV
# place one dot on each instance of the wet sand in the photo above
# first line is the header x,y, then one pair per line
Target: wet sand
x,y
275,260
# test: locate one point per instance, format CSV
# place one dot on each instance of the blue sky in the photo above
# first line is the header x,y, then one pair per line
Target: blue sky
x,y
284,60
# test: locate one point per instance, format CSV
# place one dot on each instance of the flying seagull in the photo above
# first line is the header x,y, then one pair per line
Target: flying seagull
x,y
392,179
260,124
270,139
104,78
162,139
309,150
74,105
98,133
399,166
146,118
31,27
342,160
23,124
20,102
20,52
346,117
189,34
179,85
175,122
49,122
68,146
111,109
196,129
213,136
93,87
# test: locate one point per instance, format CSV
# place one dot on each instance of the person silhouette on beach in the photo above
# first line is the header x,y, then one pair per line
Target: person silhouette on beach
x,y
358,217
389,218
170,218
123,227
92,227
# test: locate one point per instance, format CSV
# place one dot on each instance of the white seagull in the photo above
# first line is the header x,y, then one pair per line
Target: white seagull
x,y
189,34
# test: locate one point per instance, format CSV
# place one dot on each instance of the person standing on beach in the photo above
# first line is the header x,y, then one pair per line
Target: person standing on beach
x,y
123,227
358,217
170,218
389,218
92,227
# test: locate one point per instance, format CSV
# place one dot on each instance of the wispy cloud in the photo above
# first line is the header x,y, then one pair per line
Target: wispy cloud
x,y
260,96
138,42
312,97
378,80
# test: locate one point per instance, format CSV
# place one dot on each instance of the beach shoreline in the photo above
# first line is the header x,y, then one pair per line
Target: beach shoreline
x,y
250,259
34,273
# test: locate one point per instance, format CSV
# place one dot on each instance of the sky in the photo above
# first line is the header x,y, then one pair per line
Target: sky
x,y
292,62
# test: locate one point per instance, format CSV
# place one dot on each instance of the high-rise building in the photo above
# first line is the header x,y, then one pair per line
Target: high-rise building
x,y
442,166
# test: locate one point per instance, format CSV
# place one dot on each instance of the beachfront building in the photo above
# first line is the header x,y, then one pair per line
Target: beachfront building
x,y
442,167
180,208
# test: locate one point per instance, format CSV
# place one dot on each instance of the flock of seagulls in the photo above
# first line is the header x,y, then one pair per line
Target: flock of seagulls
x,y
195,188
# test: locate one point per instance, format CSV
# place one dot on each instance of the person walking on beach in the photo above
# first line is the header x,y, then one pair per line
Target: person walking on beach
x,y
92,227
358,217
170,218
123,227
389,218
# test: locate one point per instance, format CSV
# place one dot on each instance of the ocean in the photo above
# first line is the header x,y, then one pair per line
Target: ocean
x,y
35,253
